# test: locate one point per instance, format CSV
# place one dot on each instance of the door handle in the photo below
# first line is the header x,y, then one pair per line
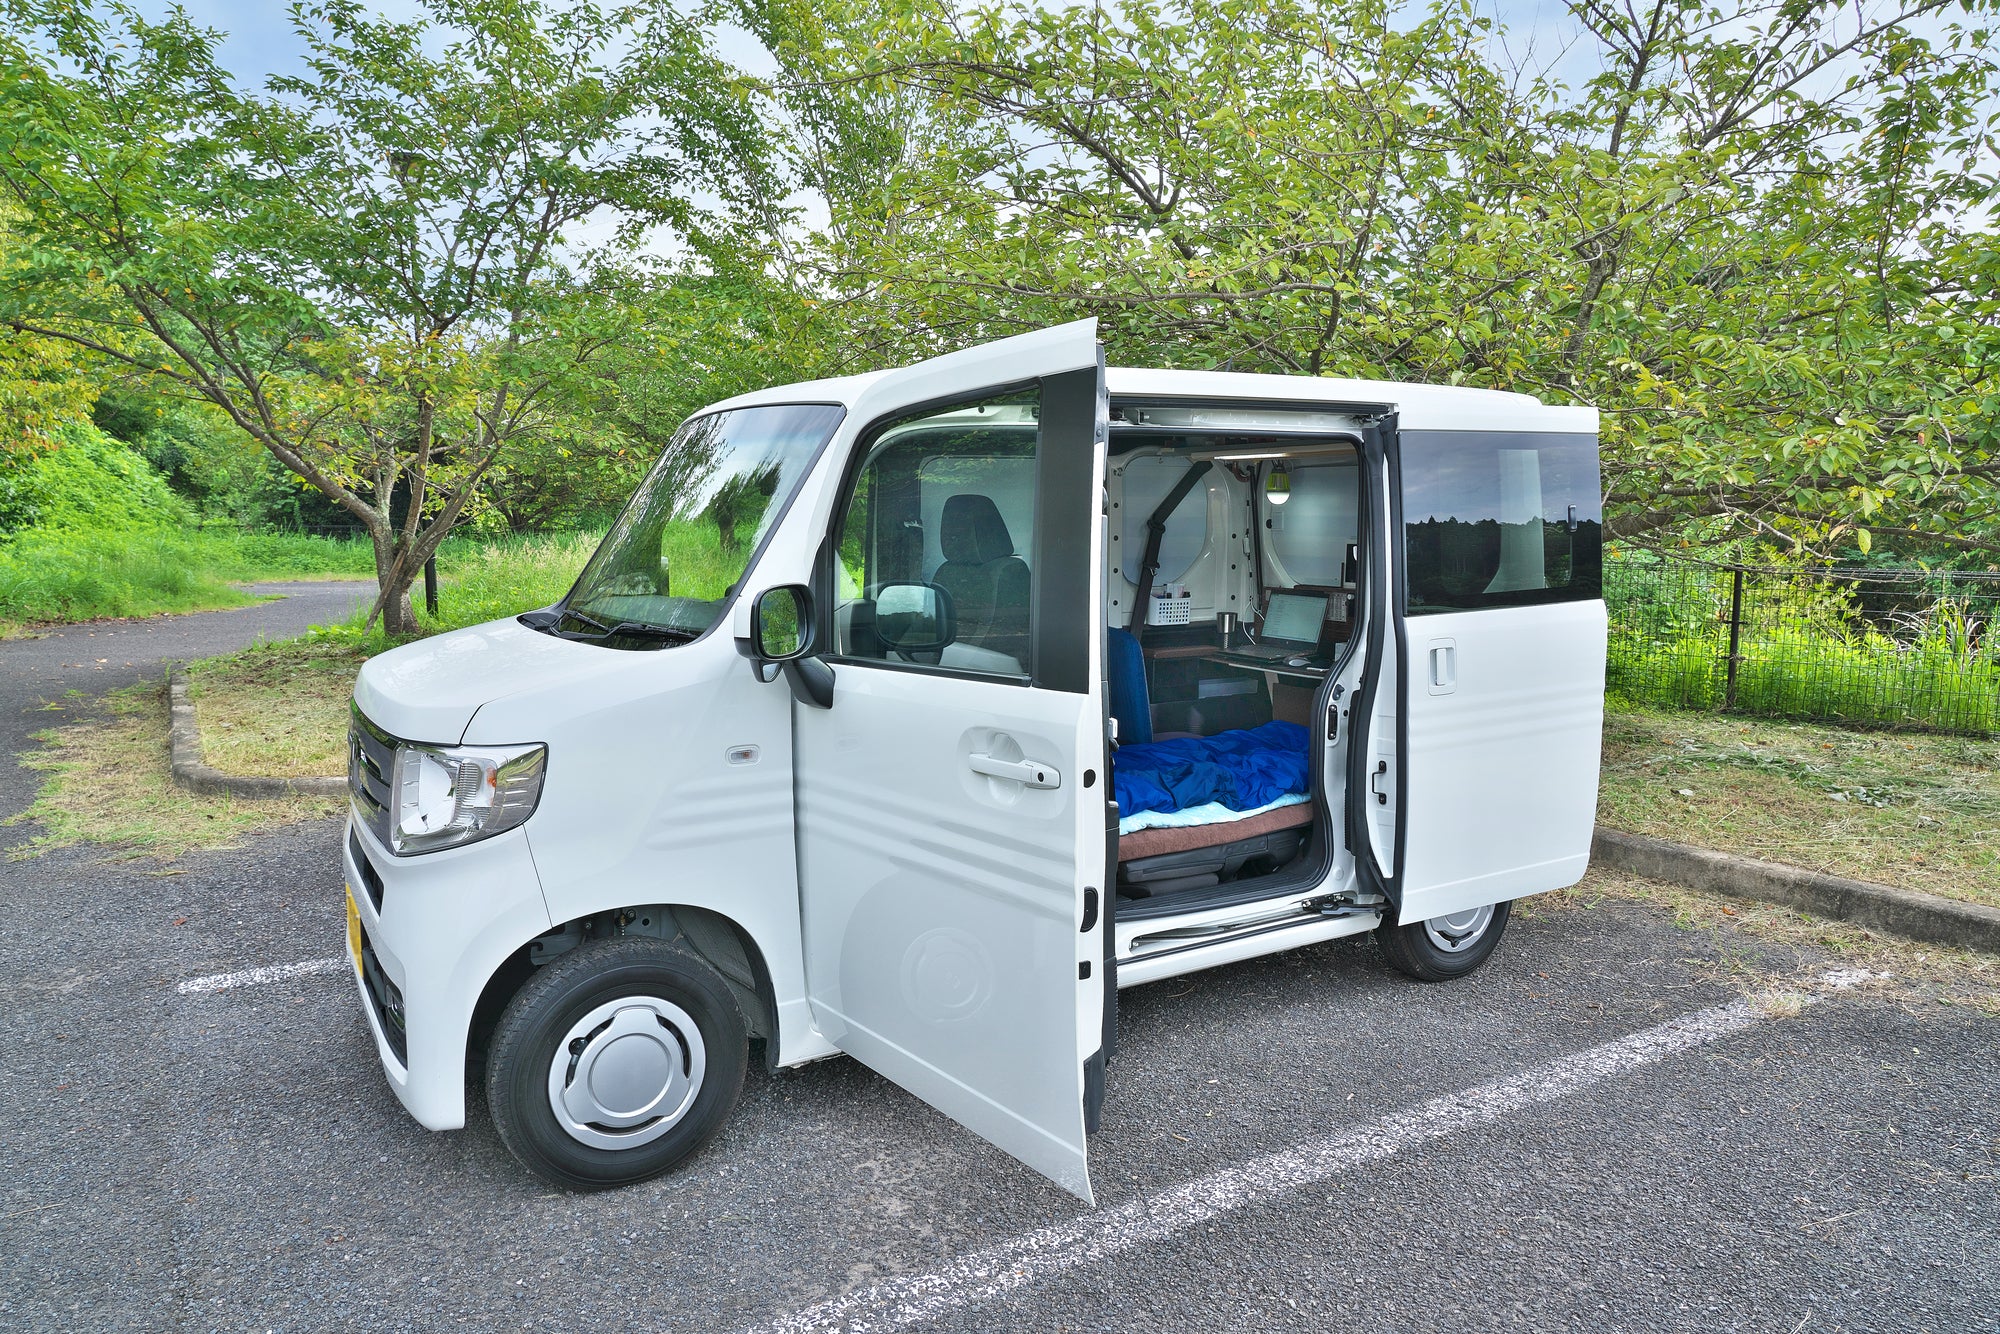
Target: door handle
x,y
1443,667
1375,782
1029,773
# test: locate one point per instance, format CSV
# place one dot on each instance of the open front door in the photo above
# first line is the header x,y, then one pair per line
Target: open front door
x,y
950,800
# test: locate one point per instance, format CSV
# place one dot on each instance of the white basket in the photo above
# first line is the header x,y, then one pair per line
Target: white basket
x,y
1170,611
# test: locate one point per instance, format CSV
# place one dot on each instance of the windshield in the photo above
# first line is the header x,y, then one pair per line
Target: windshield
x,y
671,562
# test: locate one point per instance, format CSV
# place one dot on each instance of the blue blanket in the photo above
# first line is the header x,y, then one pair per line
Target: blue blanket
x,y
1242,770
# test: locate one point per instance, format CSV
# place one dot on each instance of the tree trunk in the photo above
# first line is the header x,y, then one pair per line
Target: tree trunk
x,y
399,618
392,601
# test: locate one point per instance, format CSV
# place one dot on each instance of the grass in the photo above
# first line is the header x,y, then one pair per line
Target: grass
x,y
276,710
61,577
1917,810
484,579
106,781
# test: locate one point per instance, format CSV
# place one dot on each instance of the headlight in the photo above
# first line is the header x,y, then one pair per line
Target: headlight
x,y
448,795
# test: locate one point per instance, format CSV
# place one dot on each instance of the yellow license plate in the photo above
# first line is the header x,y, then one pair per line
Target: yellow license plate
x,y
353,930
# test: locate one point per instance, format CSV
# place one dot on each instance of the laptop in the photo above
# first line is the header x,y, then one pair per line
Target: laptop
x,y
1292,624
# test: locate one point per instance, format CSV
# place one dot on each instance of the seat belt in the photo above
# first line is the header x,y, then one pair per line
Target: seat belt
x,y
1156,528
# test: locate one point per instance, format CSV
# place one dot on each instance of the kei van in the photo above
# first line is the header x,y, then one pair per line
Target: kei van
x,y
911,715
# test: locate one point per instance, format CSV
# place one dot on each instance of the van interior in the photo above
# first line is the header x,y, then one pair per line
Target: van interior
x,y
1219,654
1216,660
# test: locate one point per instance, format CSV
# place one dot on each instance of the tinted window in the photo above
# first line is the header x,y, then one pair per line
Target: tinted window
x,y
934,542
1493,519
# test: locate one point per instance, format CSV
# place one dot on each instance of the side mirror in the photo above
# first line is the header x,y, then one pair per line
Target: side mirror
x,y
781,638
913,617
781,623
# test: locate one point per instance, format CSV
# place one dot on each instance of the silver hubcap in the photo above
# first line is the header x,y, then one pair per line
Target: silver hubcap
x,y
627,1072
1455,933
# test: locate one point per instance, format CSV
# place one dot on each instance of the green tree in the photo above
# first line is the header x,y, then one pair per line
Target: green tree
x,y
374,268
1759,237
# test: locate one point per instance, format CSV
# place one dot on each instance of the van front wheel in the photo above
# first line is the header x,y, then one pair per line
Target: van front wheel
x,y
1444,947
615,1062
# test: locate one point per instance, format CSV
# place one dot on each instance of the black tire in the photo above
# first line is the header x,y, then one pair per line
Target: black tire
x,y
1414,951
668,986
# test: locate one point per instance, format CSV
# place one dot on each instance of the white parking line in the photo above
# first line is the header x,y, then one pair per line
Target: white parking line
x,y
899,1303
257,977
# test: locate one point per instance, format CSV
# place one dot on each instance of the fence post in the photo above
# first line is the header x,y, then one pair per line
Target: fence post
x,y
1737,629
431,594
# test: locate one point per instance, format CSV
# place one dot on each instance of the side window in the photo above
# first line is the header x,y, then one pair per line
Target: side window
x,y
934,540
1499,519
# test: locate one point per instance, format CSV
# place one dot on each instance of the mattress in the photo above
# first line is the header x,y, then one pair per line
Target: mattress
x,y
1186,838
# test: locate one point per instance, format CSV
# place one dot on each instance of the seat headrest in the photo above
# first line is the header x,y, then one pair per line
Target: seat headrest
x,y
973,530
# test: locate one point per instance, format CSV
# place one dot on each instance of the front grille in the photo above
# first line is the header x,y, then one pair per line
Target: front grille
x,y
387,1000
371,759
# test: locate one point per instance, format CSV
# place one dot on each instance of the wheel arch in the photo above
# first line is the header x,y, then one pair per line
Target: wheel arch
x,y
714,937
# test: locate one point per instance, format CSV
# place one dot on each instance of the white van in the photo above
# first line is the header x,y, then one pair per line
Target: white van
x,y
913,714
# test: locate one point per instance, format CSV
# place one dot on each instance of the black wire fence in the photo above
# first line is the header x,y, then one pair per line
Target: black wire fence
x,y
1881,647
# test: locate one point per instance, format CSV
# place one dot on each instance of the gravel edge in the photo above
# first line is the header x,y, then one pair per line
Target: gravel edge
x,y
193,772
1903,912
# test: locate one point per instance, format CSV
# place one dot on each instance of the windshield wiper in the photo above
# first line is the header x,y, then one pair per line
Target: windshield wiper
x,y
623,629
571,613
646,630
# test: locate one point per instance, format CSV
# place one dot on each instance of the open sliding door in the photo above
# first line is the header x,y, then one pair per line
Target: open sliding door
x,y
1503,700
1476,779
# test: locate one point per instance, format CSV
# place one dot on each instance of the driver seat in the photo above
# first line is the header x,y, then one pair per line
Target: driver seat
x,y
988,583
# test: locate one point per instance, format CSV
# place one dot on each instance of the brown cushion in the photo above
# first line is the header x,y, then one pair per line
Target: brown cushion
x,y
1184,838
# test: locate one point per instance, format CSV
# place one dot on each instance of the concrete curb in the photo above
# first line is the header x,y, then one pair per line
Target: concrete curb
x,y
1903,912
192,771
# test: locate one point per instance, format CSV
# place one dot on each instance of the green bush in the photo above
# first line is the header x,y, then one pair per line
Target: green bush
x,y
89,481
1871,679
67,576
1681,673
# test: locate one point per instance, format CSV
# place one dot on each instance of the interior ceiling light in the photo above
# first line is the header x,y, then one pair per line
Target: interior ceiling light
x,y
1278,484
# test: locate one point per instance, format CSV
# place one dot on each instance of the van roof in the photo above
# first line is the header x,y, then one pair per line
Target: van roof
x,y
1433,407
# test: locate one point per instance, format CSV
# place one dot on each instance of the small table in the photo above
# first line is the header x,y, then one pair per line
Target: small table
x,y
1217,654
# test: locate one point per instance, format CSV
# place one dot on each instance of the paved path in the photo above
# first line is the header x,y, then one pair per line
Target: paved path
x,y
103,655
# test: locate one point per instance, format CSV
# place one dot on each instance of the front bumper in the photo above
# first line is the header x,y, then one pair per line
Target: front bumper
x,y
437,927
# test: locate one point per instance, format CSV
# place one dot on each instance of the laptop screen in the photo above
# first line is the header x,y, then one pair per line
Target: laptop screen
x,y
1295,617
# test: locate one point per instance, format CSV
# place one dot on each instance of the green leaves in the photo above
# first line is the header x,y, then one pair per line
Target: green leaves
x,y
374,267
1751,236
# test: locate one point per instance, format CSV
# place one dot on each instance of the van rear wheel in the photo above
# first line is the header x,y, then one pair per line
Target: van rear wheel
x,y
1444,947
615,1062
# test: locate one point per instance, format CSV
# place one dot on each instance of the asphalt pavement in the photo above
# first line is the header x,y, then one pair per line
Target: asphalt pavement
x,y
233,1159
97,656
